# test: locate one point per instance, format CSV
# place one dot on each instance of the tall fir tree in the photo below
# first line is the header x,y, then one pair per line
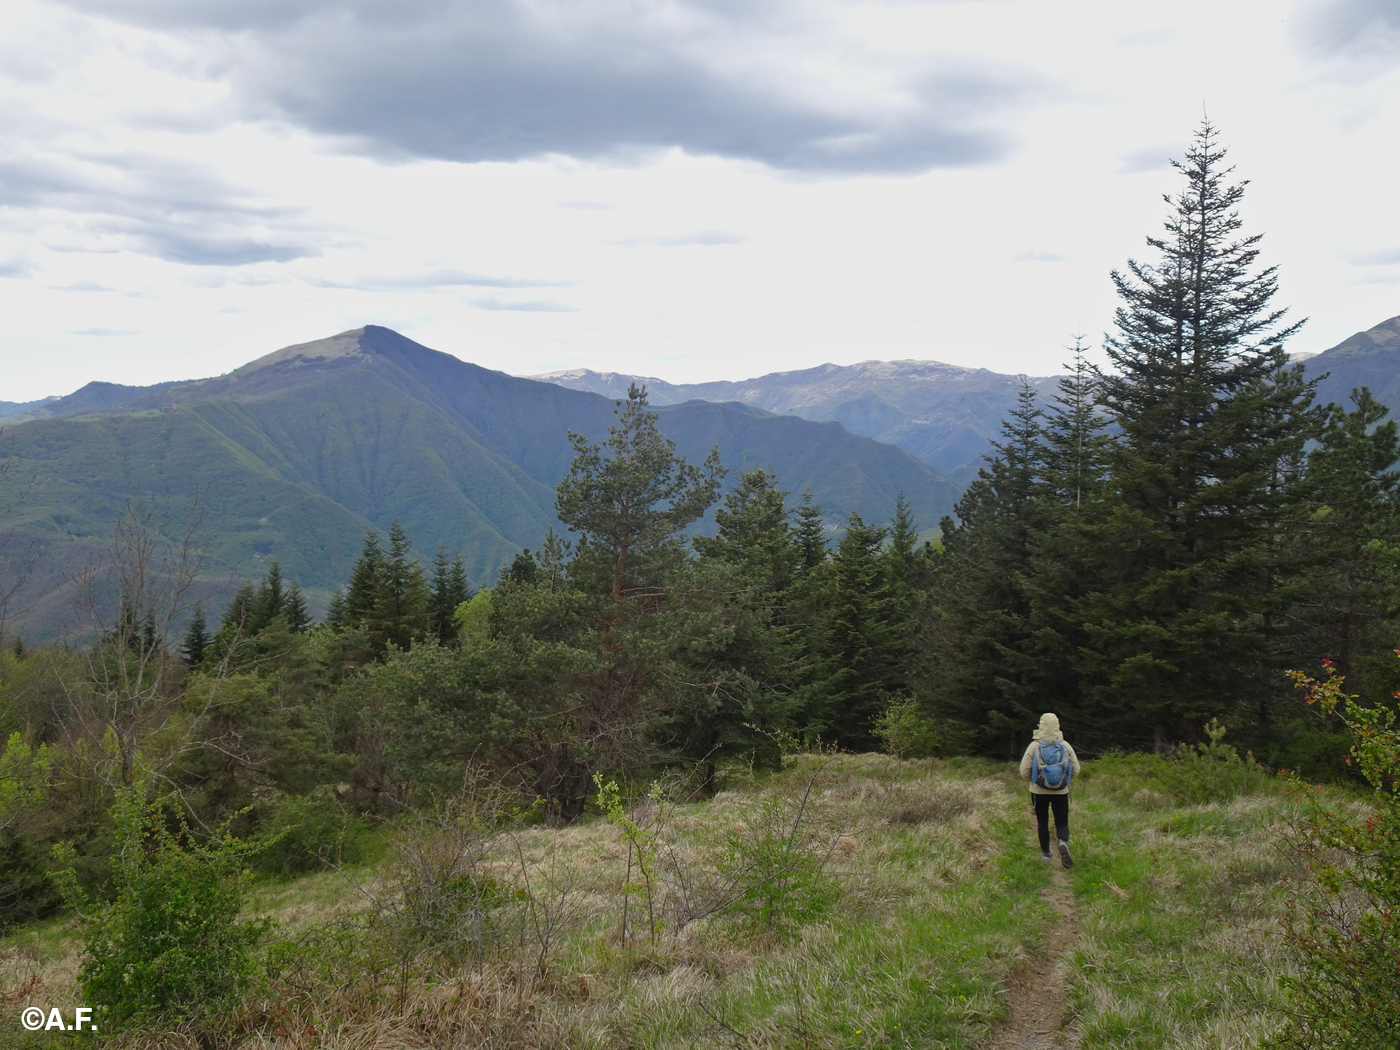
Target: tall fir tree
x,y
630,499
1205,410
449,590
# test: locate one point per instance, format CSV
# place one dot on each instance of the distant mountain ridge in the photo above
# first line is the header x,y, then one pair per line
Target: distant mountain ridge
x,y
301,451
1368,358
944,415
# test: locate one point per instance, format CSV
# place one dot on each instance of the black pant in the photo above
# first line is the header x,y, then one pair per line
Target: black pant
x,y
1043,804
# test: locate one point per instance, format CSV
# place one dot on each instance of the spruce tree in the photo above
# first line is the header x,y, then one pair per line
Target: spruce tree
x,y
196,637
1355,502
1205,411
294,609
992,679
365,581
402,604
449,590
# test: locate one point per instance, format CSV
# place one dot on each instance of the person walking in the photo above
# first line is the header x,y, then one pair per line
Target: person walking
x,y
1050,763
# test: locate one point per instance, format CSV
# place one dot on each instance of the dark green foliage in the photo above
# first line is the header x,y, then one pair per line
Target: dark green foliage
x,y
27,892
307,833
197,637
449,590
1352,545
1208,418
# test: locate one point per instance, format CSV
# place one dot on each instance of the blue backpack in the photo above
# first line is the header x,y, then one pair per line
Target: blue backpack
x,y
1050,766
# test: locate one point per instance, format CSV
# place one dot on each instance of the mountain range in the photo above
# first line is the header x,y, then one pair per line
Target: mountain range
x,y
296,455
946,414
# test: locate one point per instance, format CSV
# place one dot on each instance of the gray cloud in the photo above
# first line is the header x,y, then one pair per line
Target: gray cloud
x,y
1034,256
703,238
1149,158
1383,257
545,306
171,209
435,279
102,331
1352,25
503,80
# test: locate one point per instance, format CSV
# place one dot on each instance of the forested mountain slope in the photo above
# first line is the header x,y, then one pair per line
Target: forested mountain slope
x,y
297,454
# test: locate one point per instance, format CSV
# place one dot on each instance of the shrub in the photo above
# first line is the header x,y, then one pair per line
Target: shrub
x,y
777,868
1347,930
172,943
305,834
907,732
1200,773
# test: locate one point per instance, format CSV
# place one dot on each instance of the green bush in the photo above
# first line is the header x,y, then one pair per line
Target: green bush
x,y
907,732
1199,774
305,834
778,869
171,944
1346,927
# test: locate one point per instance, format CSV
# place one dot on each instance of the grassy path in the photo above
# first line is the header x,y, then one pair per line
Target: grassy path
x,y
1039,989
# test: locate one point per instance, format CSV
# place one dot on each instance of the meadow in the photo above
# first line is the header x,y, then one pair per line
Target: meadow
x,y
847,901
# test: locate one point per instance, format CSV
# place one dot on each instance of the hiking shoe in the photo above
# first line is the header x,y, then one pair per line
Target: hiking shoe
x,y
1065,859
1045,856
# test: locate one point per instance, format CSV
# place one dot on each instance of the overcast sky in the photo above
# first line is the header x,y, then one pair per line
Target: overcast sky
x,y
690,189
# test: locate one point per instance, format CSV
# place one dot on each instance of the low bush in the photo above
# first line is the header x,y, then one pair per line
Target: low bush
x,y
306,834
172,944
1199,774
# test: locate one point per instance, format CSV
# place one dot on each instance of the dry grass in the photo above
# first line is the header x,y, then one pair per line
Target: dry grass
x,y
939,900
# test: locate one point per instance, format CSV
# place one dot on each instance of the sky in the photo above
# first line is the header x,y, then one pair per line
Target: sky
x,y
686,189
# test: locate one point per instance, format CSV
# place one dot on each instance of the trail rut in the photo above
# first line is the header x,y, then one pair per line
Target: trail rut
x,y
1039,987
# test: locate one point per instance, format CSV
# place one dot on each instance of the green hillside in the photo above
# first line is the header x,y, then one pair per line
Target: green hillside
x,y
295,455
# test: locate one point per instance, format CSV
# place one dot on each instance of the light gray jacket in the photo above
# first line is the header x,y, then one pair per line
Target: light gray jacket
x,y
1036,789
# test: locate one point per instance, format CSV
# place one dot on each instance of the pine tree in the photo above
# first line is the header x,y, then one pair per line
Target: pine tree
x,y
1205,411
810,533
1355,498
294,609
861,639
631,505
990,677
270,601
196,637
366,580
402,603
449,590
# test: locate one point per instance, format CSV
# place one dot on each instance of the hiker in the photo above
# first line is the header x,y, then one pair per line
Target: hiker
x,y
1050,763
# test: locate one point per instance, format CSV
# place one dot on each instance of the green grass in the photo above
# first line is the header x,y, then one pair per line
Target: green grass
x,y
941,901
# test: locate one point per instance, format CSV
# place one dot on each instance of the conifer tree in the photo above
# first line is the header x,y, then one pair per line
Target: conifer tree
x,y
1205,411
294,609
987,617
366,580
402,602
630,499
449,590
196,637
1355,501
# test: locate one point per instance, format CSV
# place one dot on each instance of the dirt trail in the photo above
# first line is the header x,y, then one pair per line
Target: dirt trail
x,y
1039,987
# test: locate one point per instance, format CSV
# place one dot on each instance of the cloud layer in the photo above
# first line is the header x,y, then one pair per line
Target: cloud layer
x,y
772,81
